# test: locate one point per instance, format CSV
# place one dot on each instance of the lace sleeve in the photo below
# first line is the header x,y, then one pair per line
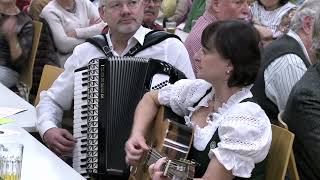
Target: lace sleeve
x,y
245,135
183,94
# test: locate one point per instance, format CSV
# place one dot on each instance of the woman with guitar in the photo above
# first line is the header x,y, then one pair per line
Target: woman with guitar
x,y
232,134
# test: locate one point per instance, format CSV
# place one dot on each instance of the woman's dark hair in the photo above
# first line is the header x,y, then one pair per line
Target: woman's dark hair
x,y
281,2
237,41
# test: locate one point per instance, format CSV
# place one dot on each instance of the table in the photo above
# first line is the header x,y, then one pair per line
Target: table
x,y
38,163
24,119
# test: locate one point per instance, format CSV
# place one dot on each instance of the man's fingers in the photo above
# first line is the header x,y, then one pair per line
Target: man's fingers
x,y
68,135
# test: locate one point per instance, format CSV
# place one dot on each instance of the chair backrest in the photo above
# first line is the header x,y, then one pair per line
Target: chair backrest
x,y
292,166
279,153
49,75
27,72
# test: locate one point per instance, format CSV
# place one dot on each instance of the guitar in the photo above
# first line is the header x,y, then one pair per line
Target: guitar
x,y
167,138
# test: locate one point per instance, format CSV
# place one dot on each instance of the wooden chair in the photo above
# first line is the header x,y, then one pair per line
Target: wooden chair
x,y
279,153
49,75
292,167
26,74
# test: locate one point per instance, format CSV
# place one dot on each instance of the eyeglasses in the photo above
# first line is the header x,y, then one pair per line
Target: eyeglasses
x,y
118,5
155,2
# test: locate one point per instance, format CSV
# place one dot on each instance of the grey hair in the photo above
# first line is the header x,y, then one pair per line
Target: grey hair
x,y
316,33
308,8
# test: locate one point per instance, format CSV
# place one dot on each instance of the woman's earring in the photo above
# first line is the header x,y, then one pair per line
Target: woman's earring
x,y
228,72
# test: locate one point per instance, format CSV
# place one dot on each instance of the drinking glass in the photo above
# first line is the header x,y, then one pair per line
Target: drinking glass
x,y
10,161
171,27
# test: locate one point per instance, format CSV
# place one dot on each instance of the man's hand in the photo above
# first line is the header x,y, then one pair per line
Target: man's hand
x,y
60,141
135,146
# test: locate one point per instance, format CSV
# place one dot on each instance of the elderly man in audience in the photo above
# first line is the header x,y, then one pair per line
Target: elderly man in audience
x,y
285,60
124,18
302,114
151,12
16,34
217,10
71,22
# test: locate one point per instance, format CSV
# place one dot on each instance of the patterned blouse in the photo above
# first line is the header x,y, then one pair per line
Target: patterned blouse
x,y
243,128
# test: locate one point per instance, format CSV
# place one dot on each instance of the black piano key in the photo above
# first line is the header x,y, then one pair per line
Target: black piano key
x,y
84,117
84,126
84,98
84,112
84,131
83,152
83,140
84,92
84,106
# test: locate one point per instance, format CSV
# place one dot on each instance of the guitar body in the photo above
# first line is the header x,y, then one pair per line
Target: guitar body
x,y
168,137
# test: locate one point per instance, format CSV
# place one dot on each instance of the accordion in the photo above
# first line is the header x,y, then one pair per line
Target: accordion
x,y
106,93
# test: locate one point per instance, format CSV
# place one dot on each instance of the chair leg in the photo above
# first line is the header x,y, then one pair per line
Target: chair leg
x,y
292,168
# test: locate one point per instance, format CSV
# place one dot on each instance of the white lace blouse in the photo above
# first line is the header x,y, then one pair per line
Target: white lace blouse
x,y
243,128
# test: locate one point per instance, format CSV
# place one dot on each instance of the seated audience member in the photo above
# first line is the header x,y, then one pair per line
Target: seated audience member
x,y
16,34
232,134
46,52
285,60
123,35
302,115
71,22
151,11
180,12
197,9
267,16
217,10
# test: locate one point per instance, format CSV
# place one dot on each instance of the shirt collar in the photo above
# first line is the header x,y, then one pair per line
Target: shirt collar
x,y
295,36
138,37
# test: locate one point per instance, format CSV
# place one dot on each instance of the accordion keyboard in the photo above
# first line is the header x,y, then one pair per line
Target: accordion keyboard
x,y
80,122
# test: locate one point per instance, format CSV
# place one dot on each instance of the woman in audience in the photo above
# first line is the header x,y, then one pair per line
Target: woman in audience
x,y
268,14
16,34
232,134
71,22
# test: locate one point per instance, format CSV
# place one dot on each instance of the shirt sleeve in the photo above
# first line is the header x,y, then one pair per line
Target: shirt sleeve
x,y
183,94
245,137
25,37
281,76
57,98
95,29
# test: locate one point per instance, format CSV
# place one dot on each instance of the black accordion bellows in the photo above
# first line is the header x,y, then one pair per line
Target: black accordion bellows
x,y
103,115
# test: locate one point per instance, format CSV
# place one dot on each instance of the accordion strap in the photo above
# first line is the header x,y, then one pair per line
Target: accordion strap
x,y
101,42
152,38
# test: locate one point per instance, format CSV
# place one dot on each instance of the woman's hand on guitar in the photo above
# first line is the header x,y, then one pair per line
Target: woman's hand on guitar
x,y
135,147
155,170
